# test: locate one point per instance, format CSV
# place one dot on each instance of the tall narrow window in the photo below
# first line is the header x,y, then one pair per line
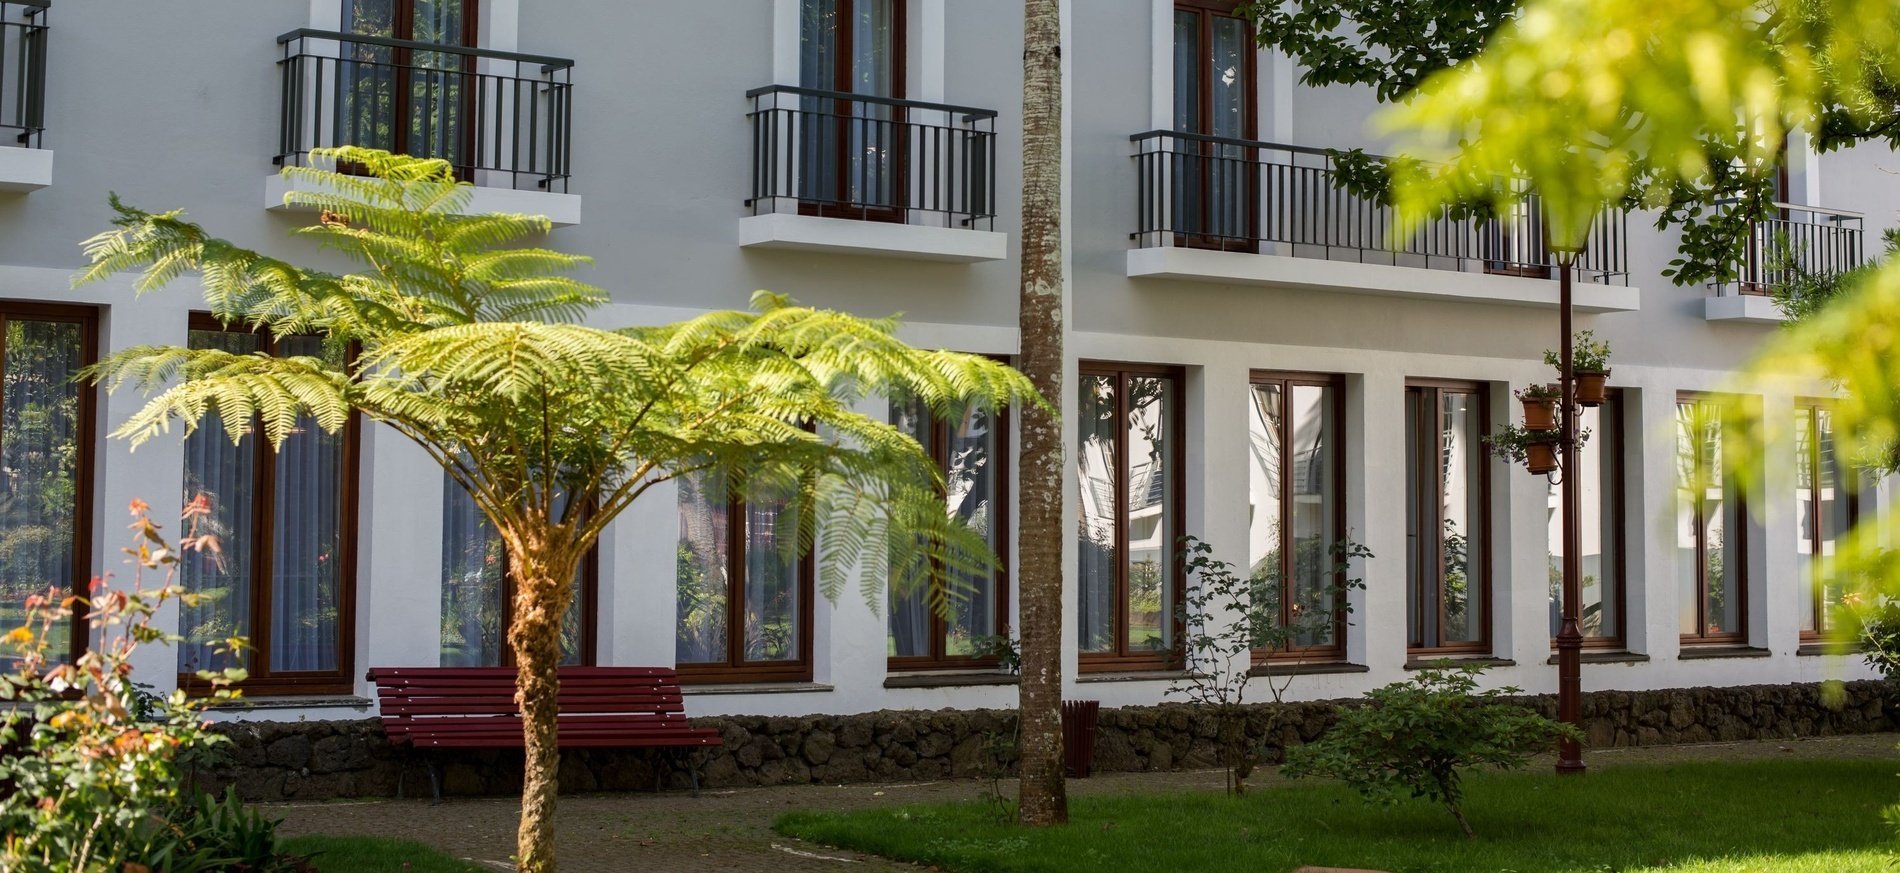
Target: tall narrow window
x,y
1600,608
850,151
1216,181
478,591
1297,511
46,421
1825,510
1711,529
971,448
284,574
1448,597
1128,462
744,594
403,98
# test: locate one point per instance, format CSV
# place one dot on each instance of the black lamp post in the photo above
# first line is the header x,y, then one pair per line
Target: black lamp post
x,y
1569,635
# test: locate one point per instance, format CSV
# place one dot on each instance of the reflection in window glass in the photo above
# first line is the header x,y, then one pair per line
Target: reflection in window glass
x,y
1445,516
476,609
1824,511
1128,527
1294,518
740,591
966,448
1710,573
41,448
1601,583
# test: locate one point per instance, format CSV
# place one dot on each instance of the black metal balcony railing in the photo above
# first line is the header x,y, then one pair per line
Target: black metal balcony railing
x,y
23,69
1795,242
1241,195
845,155
503,119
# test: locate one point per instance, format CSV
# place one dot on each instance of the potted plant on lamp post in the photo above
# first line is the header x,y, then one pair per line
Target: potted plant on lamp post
x,y
1590,363
1540,406
1536,449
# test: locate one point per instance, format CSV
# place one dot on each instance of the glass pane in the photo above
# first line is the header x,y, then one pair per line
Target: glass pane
x,y
1601,579
702,581
1187,71
1151,522
1835,511
39,463
1229,87
1315,516
910,610
1806,519
224,475
1266,425
1421,554
1688,531
772,576
473,561
1462,499
1097,469
307,540
975,492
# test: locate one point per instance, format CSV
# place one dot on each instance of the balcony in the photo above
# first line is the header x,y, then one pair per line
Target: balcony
x,y
504,120
856,174
1793,243
24,164
1241,212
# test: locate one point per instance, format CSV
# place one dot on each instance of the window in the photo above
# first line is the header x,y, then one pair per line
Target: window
x,y
402,99
850,156
1711,529
1448,524
1216,182
1128,463
744,594
284,574
1600,475
1296,511
46,440
1825,510
478,591
972,449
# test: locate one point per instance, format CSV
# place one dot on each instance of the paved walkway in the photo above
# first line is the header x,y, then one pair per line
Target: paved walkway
x,y
732,830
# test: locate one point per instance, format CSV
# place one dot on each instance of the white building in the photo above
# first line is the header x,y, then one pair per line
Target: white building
x,y
1249,362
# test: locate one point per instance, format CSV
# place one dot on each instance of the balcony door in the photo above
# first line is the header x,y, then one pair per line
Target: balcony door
x,y
1216,187
404,99
850,162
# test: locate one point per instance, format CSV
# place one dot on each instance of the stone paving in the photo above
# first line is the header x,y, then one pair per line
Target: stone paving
x,y
732,829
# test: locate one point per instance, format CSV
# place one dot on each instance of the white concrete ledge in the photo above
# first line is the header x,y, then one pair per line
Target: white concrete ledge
x,y
1743,309
564,210
811,233
23,170
1350,277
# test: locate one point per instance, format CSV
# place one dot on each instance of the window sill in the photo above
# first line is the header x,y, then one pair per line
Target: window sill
x,y
1604,656
1460,661
757,688
1385,280
949,680
1692,652
1135,676
314,701
1813,648
1314,669
846,236
562,210
23,170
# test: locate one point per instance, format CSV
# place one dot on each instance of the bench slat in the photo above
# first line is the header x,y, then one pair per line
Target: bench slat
x,y
474,707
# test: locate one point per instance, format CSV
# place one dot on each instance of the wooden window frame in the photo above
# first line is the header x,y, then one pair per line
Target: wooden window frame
x,y
736,669
1848,484
262,681
85,435
939,657
1121,658
841,206
1206,11
1615,508
1435,503
1739,537
1336,488
401,61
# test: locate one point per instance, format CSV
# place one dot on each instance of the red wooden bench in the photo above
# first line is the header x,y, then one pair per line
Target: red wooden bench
x,y
435,708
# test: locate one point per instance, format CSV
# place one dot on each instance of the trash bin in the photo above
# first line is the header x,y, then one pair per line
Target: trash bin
x,y
1078,736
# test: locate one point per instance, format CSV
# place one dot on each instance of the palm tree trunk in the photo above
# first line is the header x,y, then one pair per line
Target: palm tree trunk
x,y
1042,797
543,576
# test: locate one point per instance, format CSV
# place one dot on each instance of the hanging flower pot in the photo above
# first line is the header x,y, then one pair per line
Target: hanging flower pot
x,y
1591,390
1540,457
1540,406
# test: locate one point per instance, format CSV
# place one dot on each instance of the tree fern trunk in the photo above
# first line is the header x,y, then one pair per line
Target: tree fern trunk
x,y
1042,798
543,586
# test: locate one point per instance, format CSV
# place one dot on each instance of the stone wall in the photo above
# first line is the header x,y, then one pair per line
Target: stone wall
x,y
321,760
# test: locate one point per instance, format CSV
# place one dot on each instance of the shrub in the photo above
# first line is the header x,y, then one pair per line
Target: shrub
x,y
1416,739
92,765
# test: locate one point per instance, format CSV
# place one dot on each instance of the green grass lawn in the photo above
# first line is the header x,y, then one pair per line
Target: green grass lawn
x,y
373,855
1753,817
